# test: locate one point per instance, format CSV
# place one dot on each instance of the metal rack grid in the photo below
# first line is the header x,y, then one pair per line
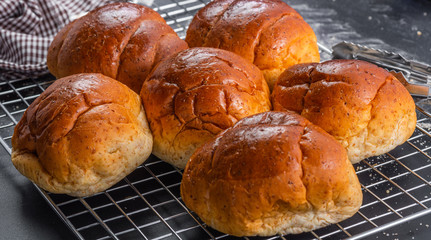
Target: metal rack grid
x,y
147,203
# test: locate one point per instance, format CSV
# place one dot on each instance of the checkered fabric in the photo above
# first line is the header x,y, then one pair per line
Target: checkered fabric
x,y
27,27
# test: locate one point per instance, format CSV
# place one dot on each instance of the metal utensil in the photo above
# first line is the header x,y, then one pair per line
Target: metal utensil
x,y
414,89
415,76
390,60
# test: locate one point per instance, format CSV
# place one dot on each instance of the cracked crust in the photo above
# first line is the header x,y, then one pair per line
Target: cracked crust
x,y
271,173
195,94
363,106
269,34
82,135
120,40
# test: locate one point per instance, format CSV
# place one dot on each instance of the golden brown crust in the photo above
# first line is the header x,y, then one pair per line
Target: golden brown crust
x,y
138,58
269,34
363,106
195,94
206,17
81,135
96,42
55,48
240,26
271,173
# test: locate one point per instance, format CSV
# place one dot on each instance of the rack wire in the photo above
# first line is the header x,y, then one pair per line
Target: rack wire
x,y
147,203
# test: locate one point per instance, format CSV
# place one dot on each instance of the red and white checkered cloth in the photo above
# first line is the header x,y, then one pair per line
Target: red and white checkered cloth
x,y
27,27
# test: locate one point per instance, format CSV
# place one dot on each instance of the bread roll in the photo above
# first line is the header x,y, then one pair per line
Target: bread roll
x,y
268,33
271,173
363,106
195,94
83,134
120,40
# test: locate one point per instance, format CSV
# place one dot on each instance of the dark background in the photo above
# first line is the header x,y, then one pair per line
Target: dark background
x,y
396,25
402,26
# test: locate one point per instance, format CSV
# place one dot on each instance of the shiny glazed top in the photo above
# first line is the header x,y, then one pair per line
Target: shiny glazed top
x,y
123,41
195,94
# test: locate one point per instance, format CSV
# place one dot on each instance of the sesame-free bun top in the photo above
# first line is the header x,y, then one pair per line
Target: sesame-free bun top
x,y
195,94
268,33
363,106
120,40
83,134
271,173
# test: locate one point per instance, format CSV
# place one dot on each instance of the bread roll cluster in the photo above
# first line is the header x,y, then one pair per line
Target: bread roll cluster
x,y
248,170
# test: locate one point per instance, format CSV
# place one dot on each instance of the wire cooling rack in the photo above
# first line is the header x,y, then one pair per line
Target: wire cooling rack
x,y
147,203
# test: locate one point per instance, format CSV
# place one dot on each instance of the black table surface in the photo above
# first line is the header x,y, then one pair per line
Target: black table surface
x,y
402,26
